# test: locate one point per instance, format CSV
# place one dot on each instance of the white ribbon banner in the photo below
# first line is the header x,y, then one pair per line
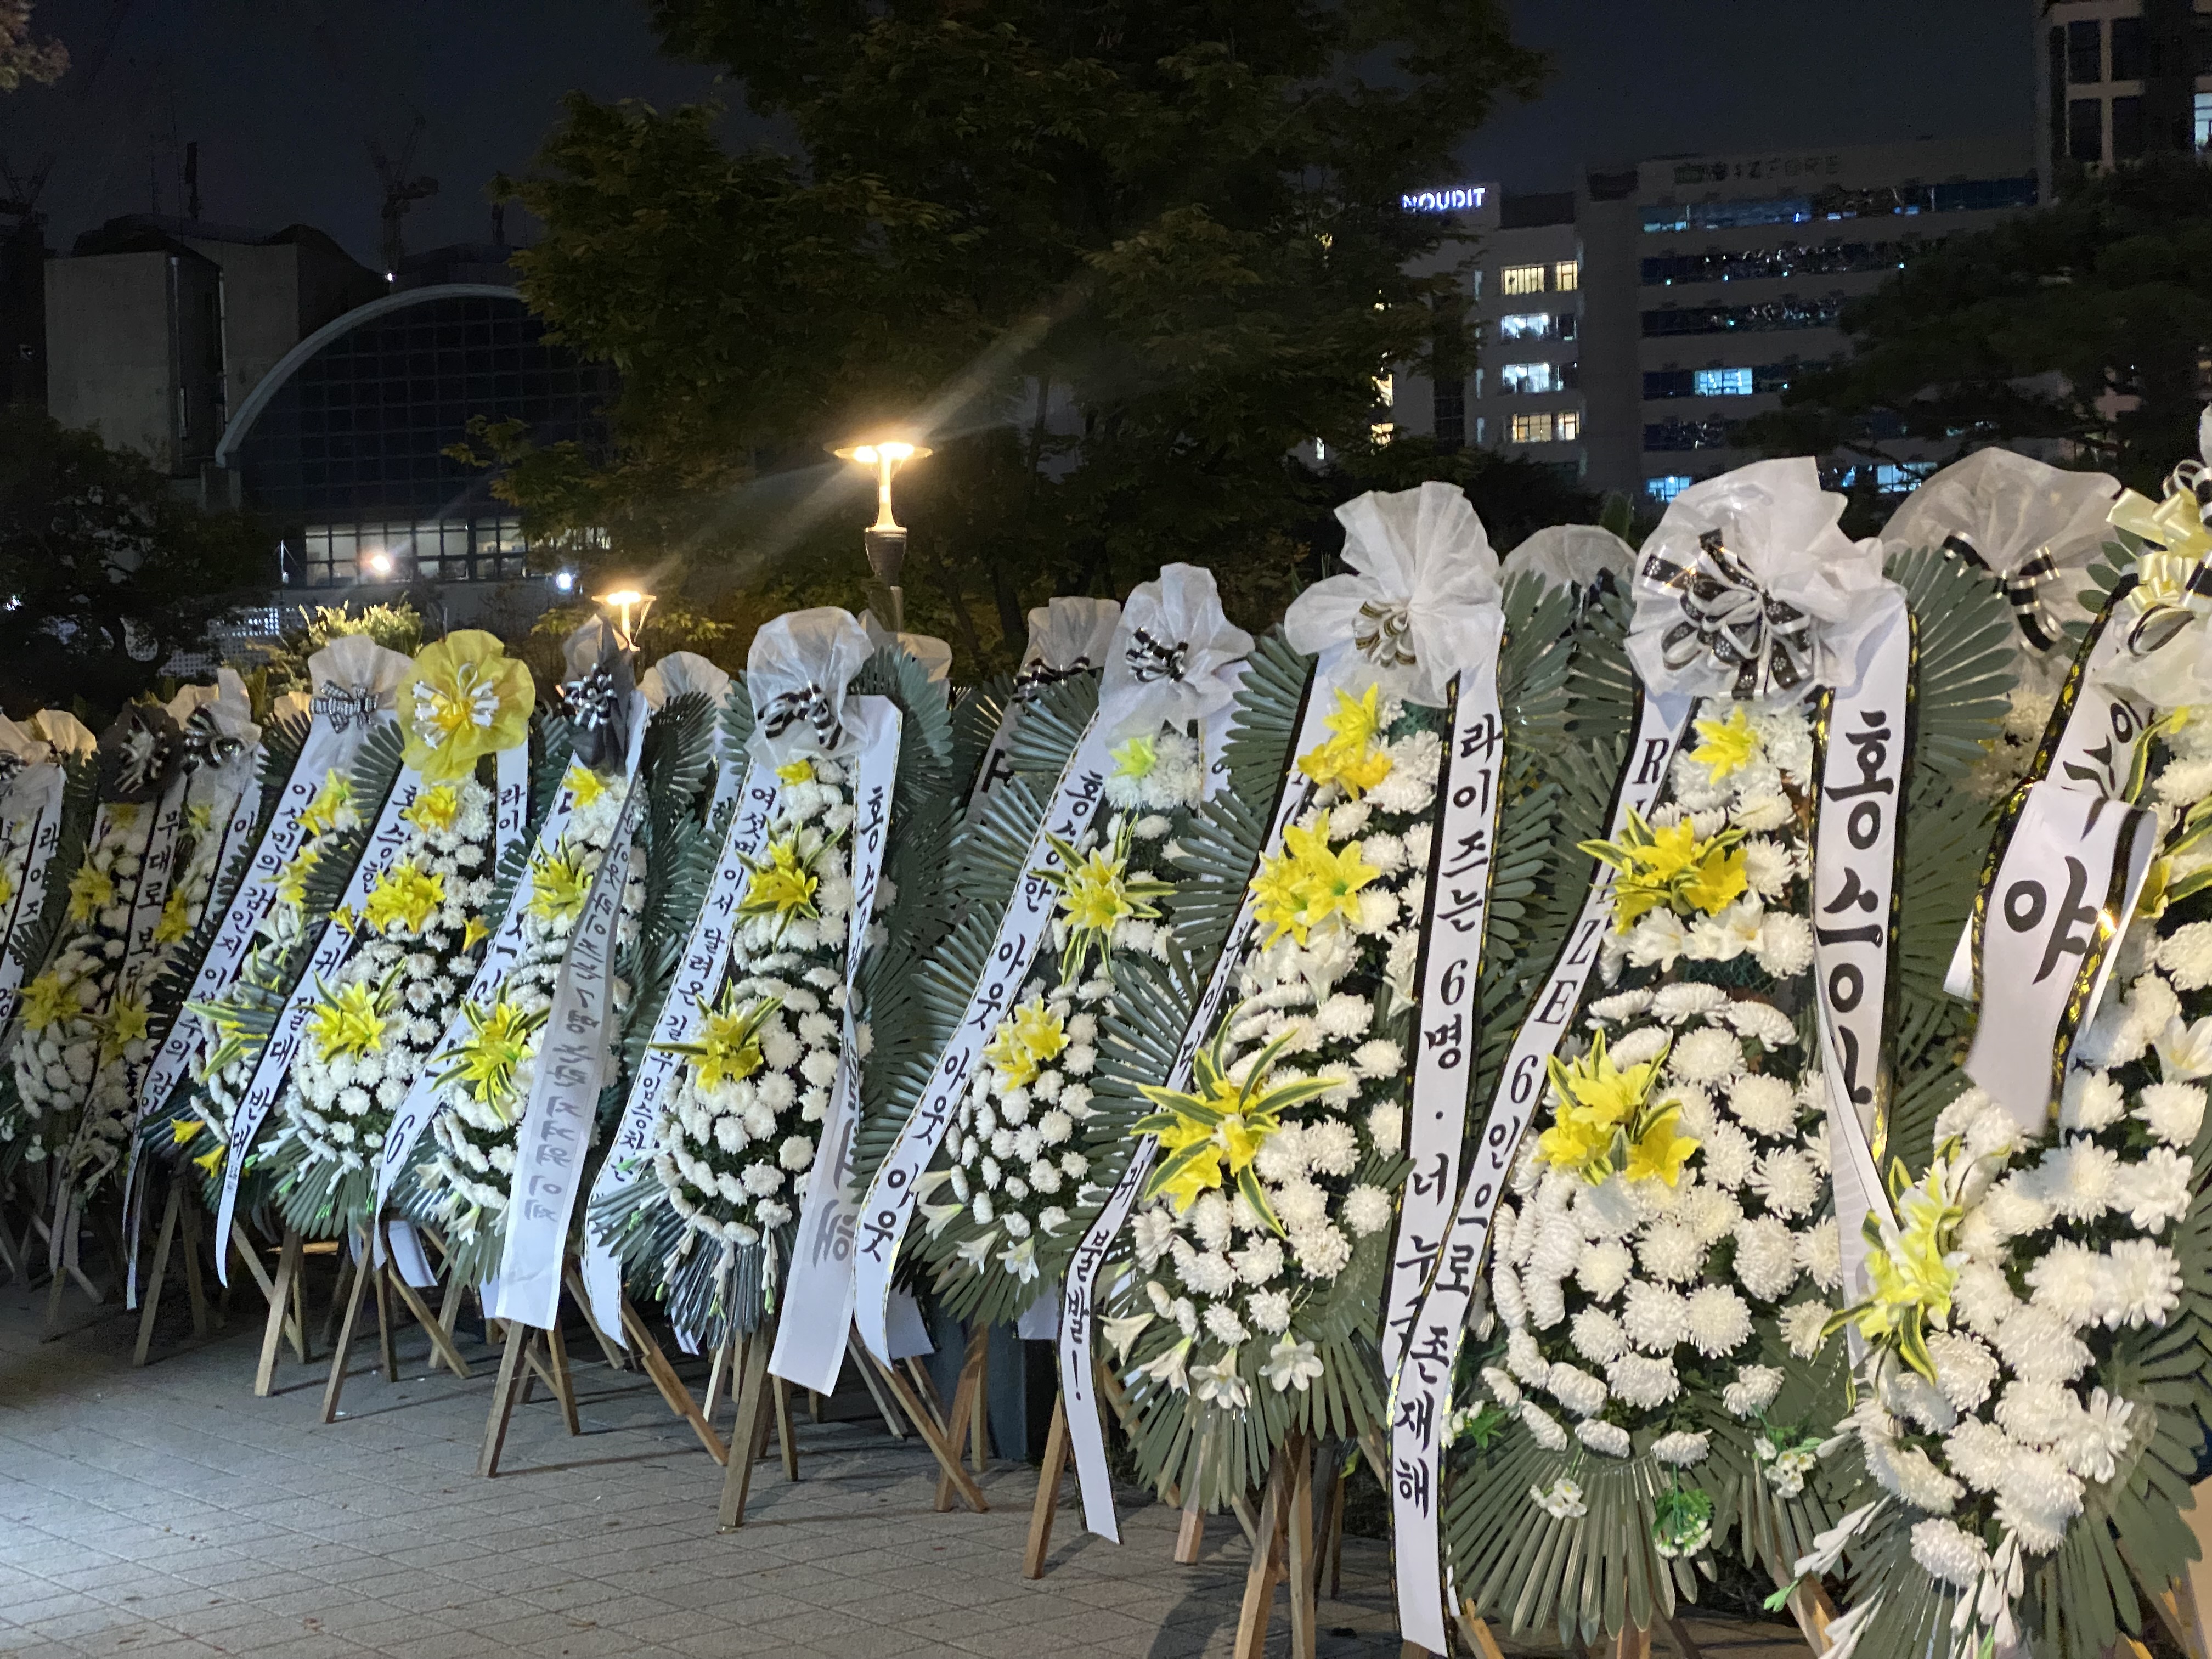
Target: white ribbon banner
x,y
574,1056
34,822
1086,1432
1854,910
327,748
1446,1024
753,804
819,1291
890,1198
1421,1390
272,1071
500,954
2073,868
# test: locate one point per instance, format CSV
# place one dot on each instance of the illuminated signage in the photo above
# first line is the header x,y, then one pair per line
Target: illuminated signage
x,y
1457,200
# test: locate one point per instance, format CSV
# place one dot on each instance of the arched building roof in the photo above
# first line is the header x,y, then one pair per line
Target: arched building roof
x,y
352,424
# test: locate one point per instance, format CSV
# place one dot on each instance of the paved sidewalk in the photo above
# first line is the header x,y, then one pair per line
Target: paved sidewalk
x,y
166,1512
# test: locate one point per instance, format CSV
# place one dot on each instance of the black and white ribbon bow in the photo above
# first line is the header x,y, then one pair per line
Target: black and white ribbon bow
x,y
2022,586
1767,642
346,707
596,703
1033,679
205,744
810,705
1151,661
1383,634
11,766
140,755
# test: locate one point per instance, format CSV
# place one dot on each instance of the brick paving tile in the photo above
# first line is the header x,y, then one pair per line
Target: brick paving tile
x,y
166,1513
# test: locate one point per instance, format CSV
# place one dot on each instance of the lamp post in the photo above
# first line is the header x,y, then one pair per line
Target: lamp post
x,y
630,607
886,538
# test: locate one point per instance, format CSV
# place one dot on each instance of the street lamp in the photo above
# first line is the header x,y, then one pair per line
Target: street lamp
x,y
380,564
885,538
624,601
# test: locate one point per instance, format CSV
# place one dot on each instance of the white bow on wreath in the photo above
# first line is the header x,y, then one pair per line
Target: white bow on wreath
x,y
1066,636
1423,601
1748,589
796,674
1174,655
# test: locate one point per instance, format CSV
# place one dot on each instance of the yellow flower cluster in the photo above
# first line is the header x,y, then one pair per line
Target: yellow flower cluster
x,y
495,1048
1671,869
1606,1121
559,884
1726,745
403,898
1306,884
783,884
1213,1134
466,698
1352,759
1911,1272
728,1047
1096,892
349,1021
1026,1041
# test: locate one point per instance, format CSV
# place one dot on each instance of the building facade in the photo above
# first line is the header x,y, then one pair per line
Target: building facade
x,y
2120,80
1626,332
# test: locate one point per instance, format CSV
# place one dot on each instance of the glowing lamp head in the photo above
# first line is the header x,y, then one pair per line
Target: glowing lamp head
x,y
565,581
378,563
629,606
885,456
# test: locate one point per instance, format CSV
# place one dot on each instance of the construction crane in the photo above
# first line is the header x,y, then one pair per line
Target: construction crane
x,y
400,192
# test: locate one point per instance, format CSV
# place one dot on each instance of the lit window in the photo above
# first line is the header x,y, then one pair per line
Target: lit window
x,y
1568,428
1901,478
1382,432
1567,276
1723,383
1525,326
1386,390
1666,488
1479,423
1532,428
1527,377
1521,279
2200,124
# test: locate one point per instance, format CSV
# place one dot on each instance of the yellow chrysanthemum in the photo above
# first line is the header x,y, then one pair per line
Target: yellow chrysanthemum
x,y
1728,745
1350,759
1303,886
90,891
349,1021
403,898
497,1044
434,812
560,884
48,1000
466,698
176,919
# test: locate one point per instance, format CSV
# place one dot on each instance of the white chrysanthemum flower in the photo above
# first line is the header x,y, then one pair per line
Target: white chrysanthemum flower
x,y
1803,1325
1654,1318
1964,1368
2144,1285
1753,1391
1578,1390
2092,1101
1717,1320
1766,1258
1681,1449
1607,1439
1643,1382
1604,1267
1786,1180
1948,1552
1785,945
1710,1054
2174,1111
1765,1104
2078,1179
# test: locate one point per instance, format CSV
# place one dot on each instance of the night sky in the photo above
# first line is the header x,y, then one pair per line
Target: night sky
x,y
282,94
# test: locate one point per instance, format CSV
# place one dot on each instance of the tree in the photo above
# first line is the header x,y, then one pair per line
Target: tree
x,y
104,575
24,58
2083,324
1114,264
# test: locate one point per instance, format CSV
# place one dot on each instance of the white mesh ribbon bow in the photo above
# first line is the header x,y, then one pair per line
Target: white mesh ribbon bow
x,y
19,751
1173,657
2167,657
217,720
1422,604
679,674
1577,555
1066,636
1748,589
354,677
797,672
2025,523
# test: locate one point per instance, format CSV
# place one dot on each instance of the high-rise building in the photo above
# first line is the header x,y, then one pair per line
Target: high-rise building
x,y
2120,79
1627,331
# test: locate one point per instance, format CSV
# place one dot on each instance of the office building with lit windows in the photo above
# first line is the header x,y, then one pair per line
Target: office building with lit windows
x,y
2120,80
1625,332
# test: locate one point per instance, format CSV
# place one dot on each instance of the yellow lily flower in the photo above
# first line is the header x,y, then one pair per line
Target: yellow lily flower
x,y
211,1161
1135,758
1350,759
436,810
1728,746
728,1047
1670,869
1659,1153
1306,884
796,771
182,1130
1214,1131
126,1022
498,1042
474,933
403,898
90,891
560,884
320,816
48,1000
176,918
349,1021
585,784
783,884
